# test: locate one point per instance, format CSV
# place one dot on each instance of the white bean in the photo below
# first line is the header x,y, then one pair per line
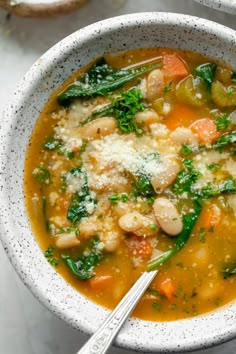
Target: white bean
x,y
155,84
88,229
147,117
167,216
131,222
184,135
99,127
165,176
69,240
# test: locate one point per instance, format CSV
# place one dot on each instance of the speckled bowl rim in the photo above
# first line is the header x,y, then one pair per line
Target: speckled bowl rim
x,y
18,241
222,5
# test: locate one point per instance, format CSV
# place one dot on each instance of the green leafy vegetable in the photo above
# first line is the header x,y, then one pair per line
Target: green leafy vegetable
x,y
186,149
124,108
143,187
51,144
222,122
49,251
229,270
186,178
202,234
49,254
206,72
42,175
80,200
225,140
83,267
209,191
213,166
168,88
115,198
189,221
102,79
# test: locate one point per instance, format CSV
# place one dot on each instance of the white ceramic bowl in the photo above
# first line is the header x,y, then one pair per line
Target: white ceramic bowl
x,y
125,32
222,5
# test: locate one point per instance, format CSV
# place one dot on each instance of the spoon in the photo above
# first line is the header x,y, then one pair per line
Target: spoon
x,y
101,340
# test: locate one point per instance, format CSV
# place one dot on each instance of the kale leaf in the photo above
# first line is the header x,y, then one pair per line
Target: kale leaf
x,y
83,267
101,79
206,72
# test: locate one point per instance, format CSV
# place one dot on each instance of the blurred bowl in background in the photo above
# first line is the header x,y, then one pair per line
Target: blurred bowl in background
x,y
222,5
40,8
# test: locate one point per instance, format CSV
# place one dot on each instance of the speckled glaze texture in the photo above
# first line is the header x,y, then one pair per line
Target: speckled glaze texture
x,y
222,5
121,33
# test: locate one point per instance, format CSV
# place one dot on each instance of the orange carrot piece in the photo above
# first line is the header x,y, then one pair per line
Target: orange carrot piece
x,y
139,247
173,66
212,217
206,130
167,288
100,282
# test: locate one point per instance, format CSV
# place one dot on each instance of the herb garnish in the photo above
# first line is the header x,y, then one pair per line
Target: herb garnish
x,y
222,122
116,198
80,200
186,149
206,72
124,108
101,79
83,267
42,174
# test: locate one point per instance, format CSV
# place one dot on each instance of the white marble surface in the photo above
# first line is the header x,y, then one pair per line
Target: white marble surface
x,y
26,327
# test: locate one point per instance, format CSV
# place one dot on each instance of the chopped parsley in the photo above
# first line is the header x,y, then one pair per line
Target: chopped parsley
x,y
213,167
186,178
222,122
168,88
202,234
156,306
116,198
186,149
49,253
124,108
154,227
42,174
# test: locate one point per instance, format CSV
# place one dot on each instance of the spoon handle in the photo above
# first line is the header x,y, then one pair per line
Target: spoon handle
x,y
104,336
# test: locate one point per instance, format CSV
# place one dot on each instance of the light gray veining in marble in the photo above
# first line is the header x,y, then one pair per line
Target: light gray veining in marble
x,y
26,327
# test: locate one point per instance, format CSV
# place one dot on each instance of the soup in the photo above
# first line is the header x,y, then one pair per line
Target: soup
x,y
131,166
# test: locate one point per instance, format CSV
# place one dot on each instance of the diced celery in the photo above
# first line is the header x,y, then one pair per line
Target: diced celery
x,y
191,91
223,96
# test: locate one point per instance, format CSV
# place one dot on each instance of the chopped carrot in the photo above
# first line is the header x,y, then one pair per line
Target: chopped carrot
x,y
206,130
167,288
100,282
139,247
211,217
173,66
